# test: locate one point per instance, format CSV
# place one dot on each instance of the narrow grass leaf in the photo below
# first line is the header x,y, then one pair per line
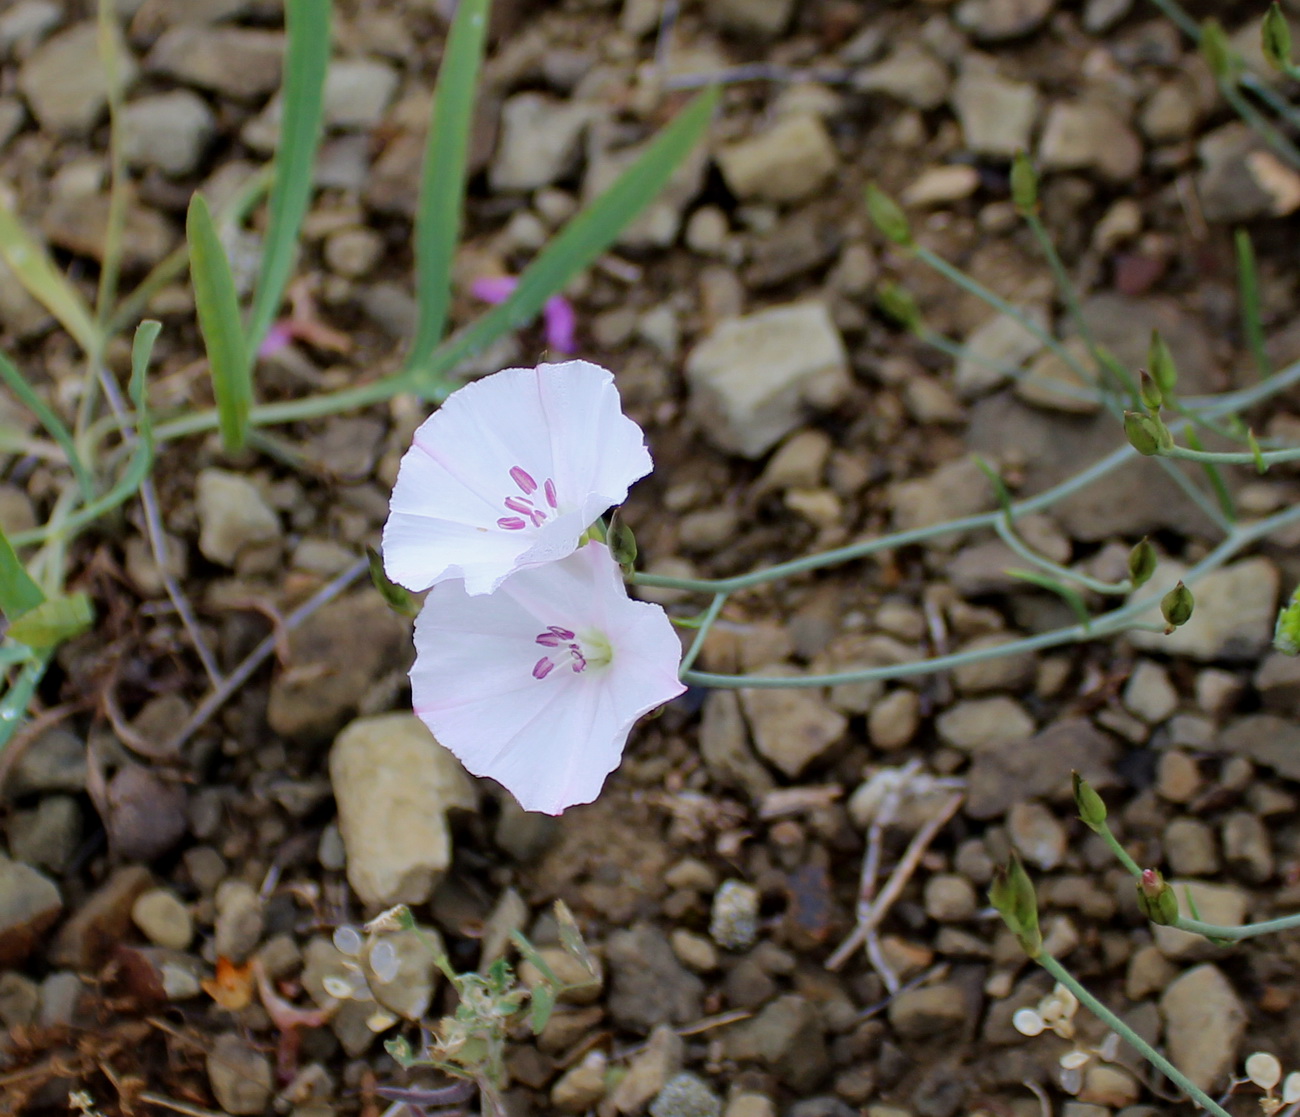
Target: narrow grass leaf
x,y
1214,476
19,592
223,335
53,621
305,63
1068,594
442,184
578,244
35,270
18,384
1252,323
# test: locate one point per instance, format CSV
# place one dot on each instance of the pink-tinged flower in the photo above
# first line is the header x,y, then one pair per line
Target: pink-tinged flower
x,y
538,684
559,322
509,473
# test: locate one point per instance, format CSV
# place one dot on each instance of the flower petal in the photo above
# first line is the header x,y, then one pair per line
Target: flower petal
x,y
552,739
508,473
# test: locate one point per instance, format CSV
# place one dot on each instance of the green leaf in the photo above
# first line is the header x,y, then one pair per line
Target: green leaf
x,y
542,1006
999,486
53,621
1068,594
19,592
35,270
1261,466
306,60
223,336
530,954
442,184
579,243
571,938
51,422
1252,323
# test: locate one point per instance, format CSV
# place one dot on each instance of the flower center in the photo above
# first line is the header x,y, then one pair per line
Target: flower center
x,y
526,511
580,653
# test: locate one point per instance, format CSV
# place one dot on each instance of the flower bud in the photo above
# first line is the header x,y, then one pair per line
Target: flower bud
x,y
1156,898
1160,363
1092,811
1149,392
622,544
1176,607
888,216
1277,39
1024,184
896,302
1286,633
1217,50
1146,434
1141,563
400,600
1012,894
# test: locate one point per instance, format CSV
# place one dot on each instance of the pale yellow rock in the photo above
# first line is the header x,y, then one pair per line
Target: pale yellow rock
x,y
394,784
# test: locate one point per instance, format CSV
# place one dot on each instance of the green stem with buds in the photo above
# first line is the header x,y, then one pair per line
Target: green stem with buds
x,y
1129,1036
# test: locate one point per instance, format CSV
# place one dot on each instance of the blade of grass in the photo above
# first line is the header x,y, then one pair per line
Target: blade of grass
x,y
19,592
305,63
223,336
1248,291
35,270
583,239
50,421
576,246
110,57
442,184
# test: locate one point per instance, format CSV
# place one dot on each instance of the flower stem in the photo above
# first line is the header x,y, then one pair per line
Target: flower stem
x,y
715,607
1117,620
1115,1024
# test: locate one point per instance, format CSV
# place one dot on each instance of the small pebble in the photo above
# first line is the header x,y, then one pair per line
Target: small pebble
x,y
163,918
733,923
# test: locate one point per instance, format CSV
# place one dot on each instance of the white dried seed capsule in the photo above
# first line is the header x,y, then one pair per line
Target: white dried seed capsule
x,y
347,940
1291,1088
1028,1023
1264,1070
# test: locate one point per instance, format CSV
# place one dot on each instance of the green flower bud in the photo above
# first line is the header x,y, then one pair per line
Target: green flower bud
x,y
1156,898
1141,563
1217,50
1012,894
896,302
1149,392
622,544
888,216
1286,633
1024,184
1176,606
1277,39
1160,363
1092,811
1146,433
399,600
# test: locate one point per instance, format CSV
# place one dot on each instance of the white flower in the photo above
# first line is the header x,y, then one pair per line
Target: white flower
x,y
508,474
1264,1070
538,684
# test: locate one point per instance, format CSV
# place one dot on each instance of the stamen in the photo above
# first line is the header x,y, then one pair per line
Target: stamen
x,y
562,633
549,640
542,668
511,523
516,504
523,480
550,494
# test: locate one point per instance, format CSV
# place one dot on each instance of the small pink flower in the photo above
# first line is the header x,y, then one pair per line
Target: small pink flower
x,y
538,684
558,318
509,473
